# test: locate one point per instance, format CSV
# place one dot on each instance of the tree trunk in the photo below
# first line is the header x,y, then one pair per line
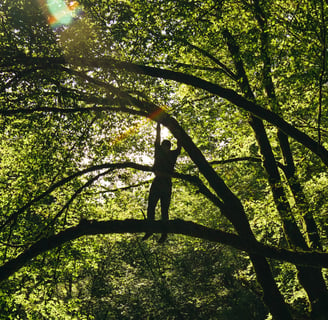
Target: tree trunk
x,y
234,211
309,225
312,280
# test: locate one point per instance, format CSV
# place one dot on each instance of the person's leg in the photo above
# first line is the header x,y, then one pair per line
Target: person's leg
x,y
152,202
165,204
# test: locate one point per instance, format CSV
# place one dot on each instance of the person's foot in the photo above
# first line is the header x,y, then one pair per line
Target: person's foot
x,y
162,238
146,236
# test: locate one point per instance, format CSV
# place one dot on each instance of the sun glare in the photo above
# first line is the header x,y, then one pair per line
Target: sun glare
x,y
62,13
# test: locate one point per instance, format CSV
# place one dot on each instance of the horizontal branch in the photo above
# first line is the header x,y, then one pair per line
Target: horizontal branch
x,y
18,111
91,227
236,159
188,66
246,158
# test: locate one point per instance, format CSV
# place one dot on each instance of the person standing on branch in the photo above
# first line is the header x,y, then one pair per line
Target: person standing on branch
x,y
161,187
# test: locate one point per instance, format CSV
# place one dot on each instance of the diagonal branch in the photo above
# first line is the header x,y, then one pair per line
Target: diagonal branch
x,y
216,89
225,93
223,67
72,198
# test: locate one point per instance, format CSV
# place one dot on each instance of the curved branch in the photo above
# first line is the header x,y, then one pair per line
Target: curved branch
x,y
112,166
237,159
91,227
72,198
62,182
228,94
122,188
246,158
216,89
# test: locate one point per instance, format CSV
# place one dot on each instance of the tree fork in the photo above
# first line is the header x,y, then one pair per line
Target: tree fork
x,y
312,280
315,288
309,224
235,213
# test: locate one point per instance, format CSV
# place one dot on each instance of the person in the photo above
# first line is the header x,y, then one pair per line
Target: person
x,y
161,187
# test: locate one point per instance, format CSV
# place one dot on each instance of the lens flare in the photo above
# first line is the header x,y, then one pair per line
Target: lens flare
x,y
154,115
62,13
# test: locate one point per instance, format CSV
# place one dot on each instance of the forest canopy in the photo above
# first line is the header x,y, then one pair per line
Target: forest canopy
x,y
240,85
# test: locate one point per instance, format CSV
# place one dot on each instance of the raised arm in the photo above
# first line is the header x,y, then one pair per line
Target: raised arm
x,y
158,134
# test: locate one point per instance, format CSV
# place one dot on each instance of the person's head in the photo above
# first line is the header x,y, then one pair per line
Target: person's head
x,y
166,144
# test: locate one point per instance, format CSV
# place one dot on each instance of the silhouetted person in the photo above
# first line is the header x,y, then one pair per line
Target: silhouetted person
x,y
161,188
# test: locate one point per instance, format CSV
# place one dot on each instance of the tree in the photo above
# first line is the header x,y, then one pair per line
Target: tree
x,y
240,84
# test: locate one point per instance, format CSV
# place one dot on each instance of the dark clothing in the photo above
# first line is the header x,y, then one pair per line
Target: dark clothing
x,y
164,160
160,189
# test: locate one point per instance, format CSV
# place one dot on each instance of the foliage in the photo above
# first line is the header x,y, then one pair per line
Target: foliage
x,y
77,107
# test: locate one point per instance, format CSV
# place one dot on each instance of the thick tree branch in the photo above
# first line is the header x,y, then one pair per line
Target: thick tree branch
x,y
228,94
86,227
